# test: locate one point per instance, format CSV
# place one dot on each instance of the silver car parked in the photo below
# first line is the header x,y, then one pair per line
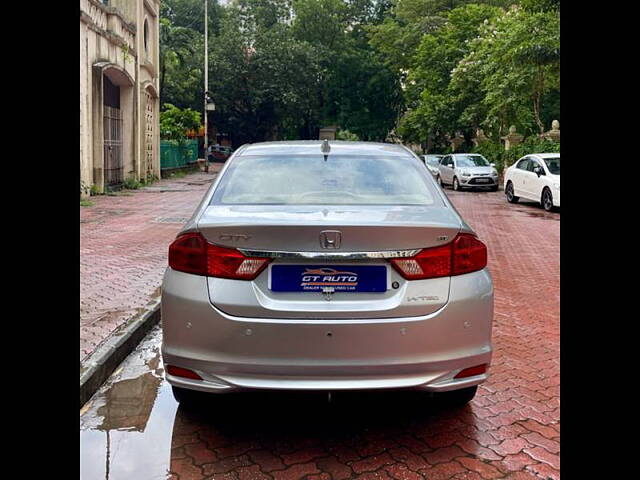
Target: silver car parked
x,y
326,266
465,170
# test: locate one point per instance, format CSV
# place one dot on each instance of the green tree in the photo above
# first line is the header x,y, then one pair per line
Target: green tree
x,y
264,80
174,122
407,21
514,65
434,110
178,46
356,89
424,69
182,49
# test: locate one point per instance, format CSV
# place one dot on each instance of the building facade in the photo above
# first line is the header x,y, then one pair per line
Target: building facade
x,y
119,104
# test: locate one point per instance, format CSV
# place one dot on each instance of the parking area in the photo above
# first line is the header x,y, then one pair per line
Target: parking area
x,y
133,428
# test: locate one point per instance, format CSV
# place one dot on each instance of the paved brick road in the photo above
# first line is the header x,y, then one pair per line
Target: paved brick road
x,y
123,250
511,429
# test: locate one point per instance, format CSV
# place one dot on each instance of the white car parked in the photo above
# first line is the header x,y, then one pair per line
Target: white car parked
x,y
534,177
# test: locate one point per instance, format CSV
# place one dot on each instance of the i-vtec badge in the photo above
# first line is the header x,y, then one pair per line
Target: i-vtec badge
x,y
423,299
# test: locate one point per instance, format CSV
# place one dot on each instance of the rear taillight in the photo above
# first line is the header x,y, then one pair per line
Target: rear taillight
x,y
429,263
188,253
469,254
464,254
191,253
229,263
182,372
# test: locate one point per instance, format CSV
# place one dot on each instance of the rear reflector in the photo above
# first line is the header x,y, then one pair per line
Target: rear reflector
x,y
472,371
182,372
191,253
464,254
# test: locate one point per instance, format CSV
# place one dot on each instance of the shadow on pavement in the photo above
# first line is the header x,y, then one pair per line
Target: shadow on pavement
x,y
277,416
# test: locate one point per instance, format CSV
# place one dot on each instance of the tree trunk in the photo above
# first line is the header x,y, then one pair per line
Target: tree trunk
x,y
163,71
537,96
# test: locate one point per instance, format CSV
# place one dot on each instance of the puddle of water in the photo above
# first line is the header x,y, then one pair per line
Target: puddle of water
x,y
125,428
131,446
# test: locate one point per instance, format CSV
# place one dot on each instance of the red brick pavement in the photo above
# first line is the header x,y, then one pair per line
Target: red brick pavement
x,y
123,250
511,430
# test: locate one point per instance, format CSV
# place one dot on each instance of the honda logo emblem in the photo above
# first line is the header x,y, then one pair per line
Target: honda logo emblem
x,y
330,239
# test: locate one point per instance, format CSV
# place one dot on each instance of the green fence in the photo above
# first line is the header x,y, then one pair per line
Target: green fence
x,y
176,156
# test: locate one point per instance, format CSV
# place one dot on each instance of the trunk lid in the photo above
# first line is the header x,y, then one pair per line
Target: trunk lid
x,y
289,228
297,229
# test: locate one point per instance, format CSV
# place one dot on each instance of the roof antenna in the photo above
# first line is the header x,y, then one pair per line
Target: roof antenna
x,y
326,148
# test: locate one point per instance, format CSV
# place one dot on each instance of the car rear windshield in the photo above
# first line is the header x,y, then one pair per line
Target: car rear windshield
x,y
312,180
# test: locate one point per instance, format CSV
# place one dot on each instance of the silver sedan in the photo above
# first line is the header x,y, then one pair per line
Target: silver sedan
x,y
326,266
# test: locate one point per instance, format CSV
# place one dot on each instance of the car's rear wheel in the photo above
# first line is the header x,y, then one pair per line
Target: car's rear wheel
x,y
547,200
457,398
508,191
456,184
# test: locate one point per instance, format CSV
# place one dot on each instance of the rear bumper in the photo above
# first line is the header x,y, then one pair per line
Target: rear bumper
x,y
237,353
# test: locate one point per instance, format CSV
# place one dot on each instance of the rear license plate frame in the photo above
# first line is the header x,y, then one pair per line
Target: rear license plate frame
x,y
301,278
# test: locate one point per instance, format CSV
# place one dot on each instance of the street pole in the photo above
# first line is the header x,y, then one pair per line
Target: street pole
x,y
206,87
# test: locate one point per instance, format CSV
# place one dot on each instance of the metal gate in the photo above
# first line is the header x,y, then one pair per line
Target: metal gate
x,y
112,126
112,146
149,137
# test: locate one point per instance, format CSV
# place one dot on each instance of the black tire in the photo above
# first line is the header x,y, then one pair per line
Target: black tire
x,y
186,397
494,189
440,182
508,191
457,398
547,200
456,185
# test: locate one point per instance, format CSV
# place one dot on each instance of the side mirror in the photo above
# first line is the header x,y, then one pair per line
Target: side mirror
x,y
538,171
492,164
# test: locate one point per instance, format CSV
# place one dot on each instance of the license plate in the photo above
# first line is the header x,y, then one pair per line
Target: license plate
x,y
322,278
482,180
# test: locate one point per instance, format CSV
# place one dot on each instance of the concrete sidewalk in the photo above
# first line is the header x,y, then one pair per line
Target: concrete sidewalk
x,y
124,241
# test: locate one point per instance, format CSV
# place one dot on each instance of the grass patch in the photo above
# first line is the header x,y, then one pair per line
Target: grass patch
x,y
86,203
132,184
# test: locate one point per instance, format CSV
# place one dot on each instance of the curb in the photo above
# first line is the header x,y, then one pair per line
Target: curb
x,y
101,363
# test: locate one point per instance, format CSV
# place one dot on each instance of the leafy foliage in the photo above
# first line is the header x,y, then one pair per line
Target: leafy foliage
x,y
434,110
495,152
420,70
347,135
513,64
174,122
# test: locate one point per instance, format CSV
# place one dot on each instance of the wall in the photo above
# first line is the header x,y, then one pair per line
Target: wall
x,y
110,35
